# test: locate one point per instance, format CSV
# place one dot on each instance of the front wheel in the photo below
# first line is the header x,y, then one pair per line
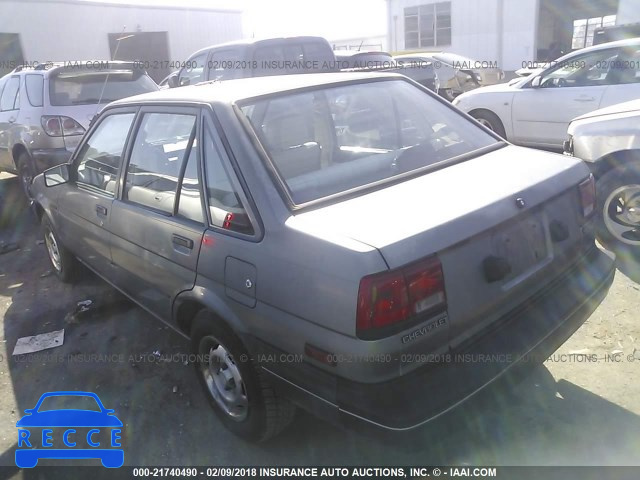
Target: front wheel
x,y
618,193
237,389
489,120
63,262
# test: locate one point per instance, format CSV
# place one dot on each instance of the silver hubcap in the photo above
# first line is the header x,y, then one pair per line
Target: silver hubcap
x,y
223,380
52,248
622,214
485,122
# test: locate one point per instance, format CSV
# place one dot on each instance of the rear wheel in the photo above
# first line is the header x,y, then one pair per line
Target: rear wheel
x,y
237,389
489,120
64,264
618,193
25,174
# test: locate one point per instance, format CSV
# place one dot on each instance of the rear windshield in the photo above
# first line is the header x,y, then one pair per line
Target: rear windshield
x,y
331,140
90,87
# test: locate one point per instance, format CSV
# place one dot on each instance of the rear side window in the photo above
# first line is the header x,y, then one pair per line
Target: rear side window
x,y
10,99
35,89
225,208
163,143
97,86
100,158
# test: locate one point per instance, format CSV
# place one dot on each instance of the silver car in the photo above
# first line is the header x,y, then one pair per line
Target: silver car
x,y
347,243
45,110
608,140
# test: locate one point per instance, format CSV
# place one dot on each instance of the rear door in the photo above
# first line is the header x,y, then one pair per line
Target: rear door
x,y
160,213
84,212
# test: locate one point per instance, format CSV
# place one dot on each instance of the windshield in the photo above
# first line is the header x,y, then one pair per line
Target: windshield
x,y
336,139
88,87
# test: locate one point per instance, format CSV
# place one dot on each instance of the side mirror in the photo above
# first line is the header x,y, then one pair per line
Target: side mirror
x,y
536,82
56,175
173,81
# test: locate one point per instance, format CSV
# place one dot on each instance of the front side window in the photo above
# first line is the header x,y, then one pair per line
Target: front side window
x,y
10,99
226,64
336,139
427,25
194,72
100,157
162,144
594,69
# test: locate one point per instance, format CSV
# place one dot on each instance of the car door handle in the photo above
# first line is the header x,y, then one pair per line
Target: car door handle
x,y
584,99
182,242
12,119
100,210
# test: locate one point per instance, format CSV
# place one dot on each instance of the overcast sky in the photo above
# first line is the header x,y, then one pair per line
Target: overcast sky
x,y
333,19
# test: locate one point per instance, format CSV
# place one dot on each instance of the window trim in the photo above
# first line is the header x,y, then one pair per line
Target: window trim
x,y
133,133
75,159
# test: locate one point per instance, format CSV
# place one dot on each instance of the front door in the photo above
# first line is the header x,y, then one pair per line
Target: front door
x,y
570,89
84,212
159,218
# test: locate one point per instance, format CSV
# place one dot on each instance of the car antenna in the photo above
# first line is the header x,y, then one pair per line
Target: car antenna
x,y
113,58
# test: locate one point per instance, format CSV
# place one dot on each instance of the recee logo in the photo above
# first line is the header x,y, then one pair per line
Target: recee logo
x,y
87,431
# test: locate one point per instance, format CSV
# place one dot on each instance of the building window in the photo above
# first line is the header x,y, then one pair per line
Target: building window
x,y
427,25
584,29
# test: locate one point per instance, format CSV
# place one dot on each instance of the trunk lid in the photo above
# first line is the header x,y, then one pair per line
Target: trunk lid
x,y
470,214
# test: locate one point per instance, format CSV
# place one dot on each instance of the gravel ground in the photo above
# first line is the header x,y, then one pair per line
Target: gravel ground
x,y
581,408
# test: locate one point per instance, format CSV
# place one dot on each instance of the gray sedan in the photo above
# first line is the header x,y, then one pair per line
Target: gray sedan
x,y
346,243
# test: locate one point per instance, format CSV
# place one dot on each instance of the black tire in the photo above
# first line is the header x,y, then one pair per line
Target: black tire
x,y
25,173
611,188
266,413
490,120
65,266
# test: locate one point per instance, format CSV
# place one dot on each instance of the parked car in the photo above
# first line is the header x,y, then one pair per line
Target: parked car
x,y
45,110
484,72
420,71
256,58
609,141
332,241
453,80
537,110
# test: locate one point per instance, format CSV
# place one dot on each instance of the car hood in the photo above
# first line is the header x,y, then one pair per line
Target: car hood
x,y
69,418
619,108
447,206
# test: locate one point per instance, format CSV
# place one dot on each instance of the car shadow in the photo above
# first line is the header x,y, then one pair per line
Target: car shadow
x,y
138,367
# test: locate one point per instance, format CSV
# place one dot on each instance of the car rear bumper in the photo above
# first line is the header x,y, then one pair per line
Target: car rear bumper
x,y
44,158
522,339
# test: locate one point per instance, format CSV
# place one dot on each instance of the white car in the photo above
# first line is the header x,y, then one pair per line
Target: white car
x,y
536,110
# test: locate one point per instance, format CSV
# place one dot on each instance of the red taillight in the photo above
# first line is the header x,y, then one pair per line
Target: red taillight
x,y
227,221
388,298
588,196
58,126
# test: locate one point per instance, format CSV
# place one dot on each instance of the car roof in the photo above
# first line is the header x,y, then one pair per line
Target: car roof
x,y
258,41
232,91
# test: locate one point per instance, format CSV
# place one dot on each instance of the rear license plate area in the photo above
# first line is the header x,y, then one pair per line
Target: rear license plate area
x,y
523,244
